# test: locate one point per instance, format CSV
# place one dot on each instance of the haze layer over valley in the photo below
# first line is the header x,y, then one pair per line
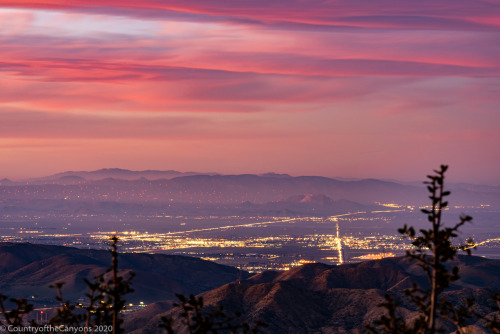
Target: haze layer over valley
x,y
254,222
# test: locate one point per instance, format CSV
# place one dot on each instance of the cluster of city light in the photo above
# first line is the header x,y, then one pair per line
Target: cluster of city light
x,y
393,242
144,242
134,241
251,253
280,266
375,256
396,206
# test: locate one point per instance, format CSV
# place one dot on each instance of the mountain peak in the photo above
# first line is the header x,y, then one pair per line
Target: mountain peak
x,y
5,181
314,199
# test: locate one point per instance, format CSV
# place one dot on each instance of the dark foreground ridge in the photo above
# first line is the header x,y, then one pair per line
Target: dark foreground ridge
x,y
314,298
27,270
319,298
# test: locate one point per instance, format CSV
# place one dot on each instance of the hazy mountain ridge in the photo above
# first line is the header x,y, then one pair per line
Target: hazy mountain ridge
x,y
129,186
116,173
318,298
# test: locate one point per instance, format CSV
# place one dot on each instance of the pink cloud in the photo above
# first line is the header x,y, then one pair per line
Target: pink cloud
x,y
250,85
446,14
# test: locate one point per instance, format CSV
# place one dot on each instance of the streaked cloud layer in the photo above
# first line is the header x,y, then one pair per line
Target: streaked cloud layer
x,y
336,88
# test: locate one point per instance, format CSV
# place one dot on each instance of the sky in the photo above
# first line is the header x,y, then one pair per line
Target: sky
x,y
353,88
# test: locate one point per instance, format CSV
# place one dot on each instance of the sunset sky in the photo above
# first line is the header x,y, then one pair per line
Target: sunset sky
x,y
353,88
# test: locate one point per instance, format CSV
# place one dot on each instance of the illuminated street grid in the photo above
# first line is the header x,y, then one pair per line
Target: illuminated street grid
x,y
254,254
251,253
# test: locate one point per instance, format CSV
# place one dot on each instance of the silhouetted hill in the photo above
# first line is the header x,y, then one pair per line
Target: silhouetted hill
x,y
318,298
6,182
27,270
313,199
300,205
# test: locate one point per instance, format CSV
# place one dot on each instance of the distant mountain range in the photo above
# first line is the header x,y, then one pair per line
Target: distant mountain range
x,y
146,187
318,298
114,173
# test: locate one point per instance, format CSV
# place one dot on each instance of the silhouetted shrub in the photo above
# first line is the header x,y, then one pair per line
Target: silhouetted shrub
x,y
102,314
195,321
432,249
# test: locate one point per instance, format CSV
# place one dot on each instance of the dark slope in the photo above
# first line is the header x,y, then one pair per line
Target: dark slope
x,y
27,270
318,298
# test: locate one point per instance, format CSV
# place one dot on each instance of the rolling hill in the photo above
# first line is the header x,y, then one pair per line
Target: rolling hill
x,y
27,270
318,298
